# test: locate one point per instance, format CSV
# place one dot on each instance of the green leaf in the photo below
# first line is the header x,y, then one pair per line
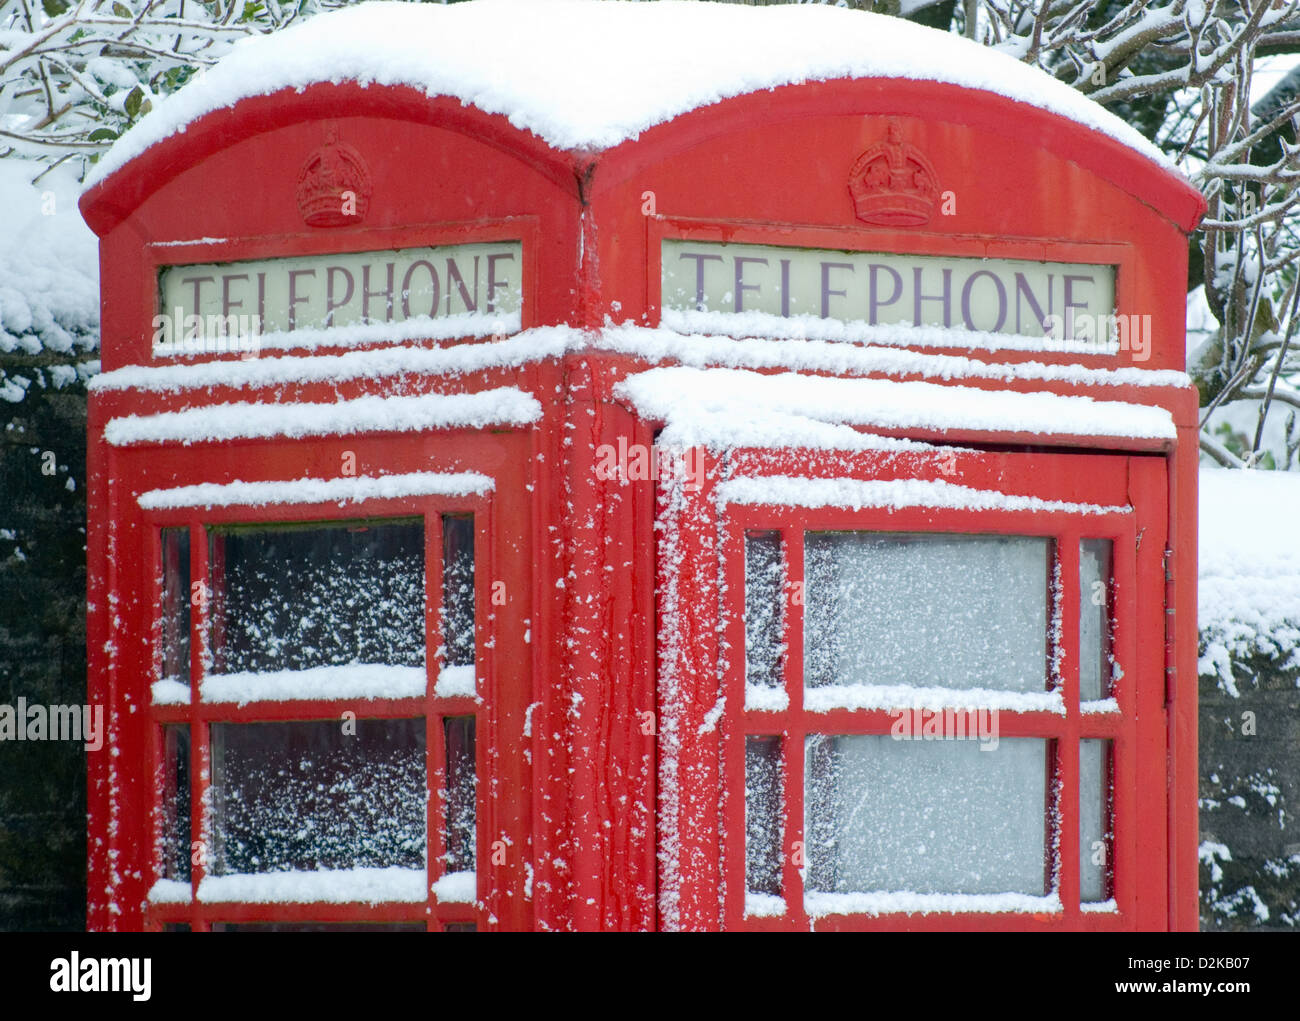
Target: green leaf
x,y
103,135
133,100
122,10
55,7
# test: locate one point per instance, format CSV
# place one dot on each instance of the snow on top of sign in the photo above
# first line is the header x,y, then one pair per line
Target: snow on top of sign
x,y
1249,567
858,355
814,327
242,420
306,490
588,75
650,344
696,405
456,360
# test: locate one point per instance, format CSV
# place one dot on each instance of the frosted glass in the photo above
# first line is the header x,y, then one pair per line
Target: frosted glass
x,y
1094,618
462,792
458,590
763,812
306,795
175,803
176,604
764,583
926,610
925,816
1094,796
297,597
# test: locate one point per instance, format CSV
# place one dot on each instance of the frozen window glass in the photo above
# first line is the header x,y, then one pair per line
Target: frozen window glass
x,y
764,584
1094,618
763,812
925,816
176,604
176,803
1094,816
298,597
926,610
458,590
458,734
318,795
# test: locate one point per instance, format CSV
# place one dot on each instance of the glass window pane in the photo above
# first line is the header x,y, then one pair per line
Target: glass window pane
x,y
462,787
176,605
764,809
325,794
925,816
1094,819
176,803
926,610
1094,618
764,619
458,590
299,597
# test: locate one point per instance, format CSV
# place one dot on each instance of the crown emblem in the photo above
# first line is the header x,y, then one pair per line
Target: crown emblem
x,y
333,185
893,184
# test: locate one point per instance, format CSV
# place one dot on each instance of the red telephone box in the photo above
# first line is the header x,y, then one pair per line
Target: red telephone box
x,y
780,515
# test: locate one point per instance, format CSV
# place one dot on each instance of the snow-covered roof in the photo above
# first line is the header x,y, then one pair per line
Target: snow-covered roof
x,y
588,75
1249,596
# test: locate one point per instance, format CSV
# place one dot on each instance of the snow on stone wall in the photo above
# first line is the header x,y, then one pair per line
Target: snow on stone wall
x,y
49,280
1249,550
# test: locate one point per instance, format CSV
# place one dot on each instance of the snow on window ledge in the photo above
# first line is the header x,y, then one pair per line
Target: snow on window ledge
x,y
1101,705
169,692
457,888
761,698
819,905
305,490
901,696
456,680
892,494
1100,907
326,886
351,680
170,891
764,905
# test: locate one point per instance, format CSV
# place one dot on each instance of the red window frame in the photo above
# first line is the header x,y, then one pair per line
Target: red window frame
x,y
198,715
1134,828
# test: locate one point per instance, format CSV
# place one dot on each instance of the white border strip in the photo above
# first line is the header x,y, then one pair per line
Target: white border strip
x,y
306,490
